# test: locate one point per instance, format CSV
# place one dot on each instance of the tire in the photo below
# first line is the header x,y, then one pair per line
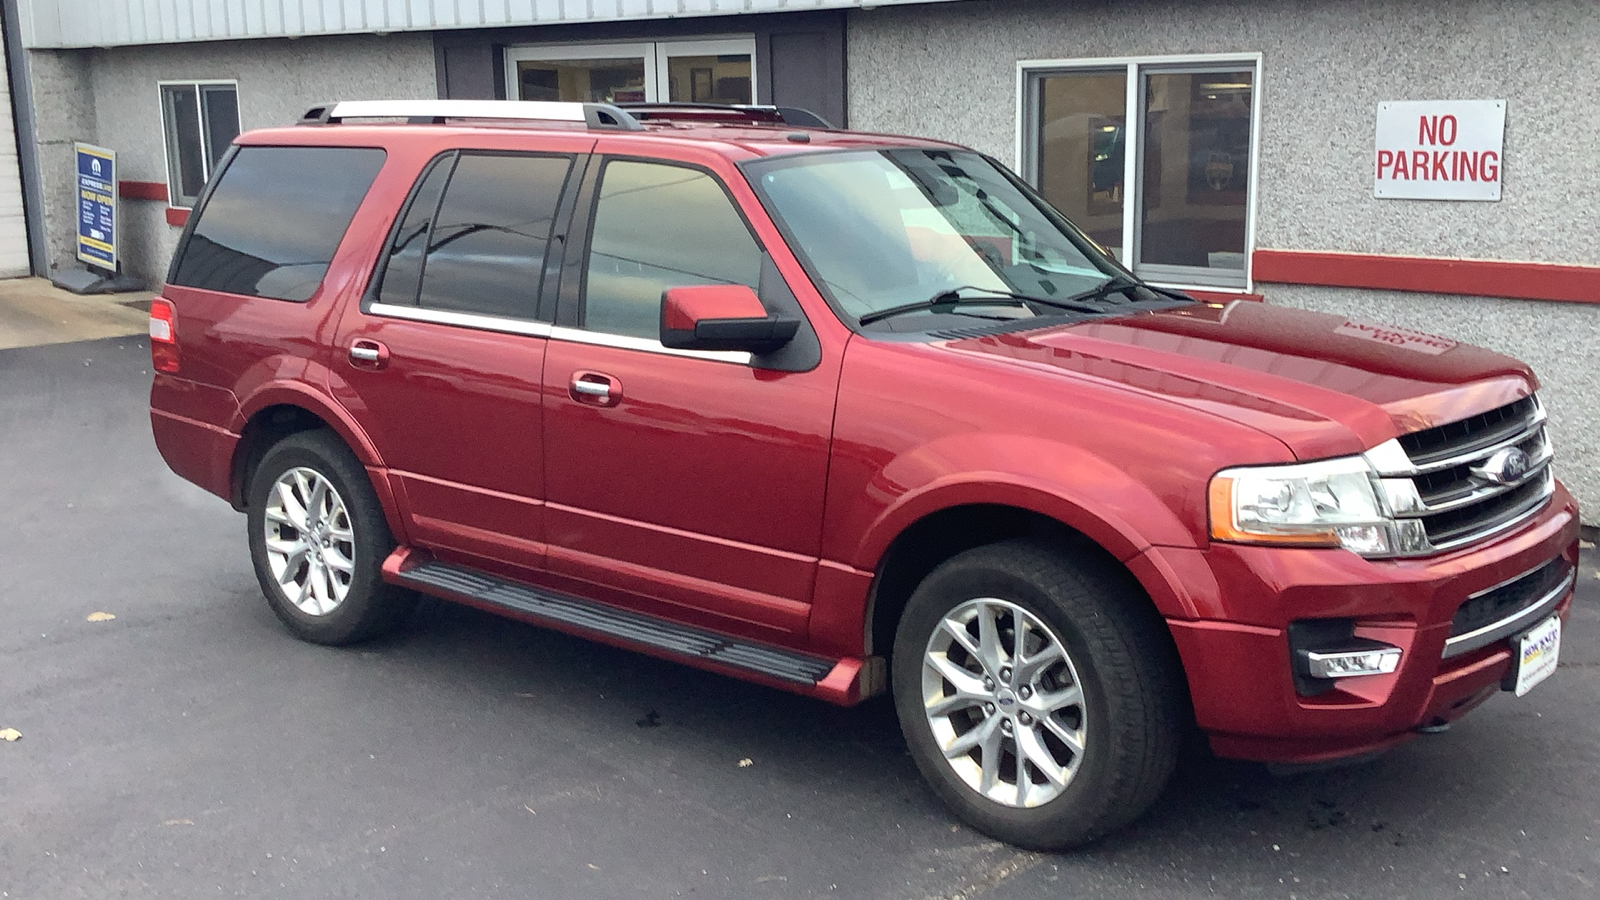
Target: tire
x,y
321,573
1116,692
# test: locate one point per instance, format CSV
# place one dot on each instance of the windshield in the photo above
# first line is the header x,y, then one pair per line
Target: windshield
x,y
887,228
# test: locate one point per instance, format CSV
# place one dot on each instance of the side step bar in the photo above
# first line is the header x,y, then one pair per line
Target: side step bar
x,y
840,681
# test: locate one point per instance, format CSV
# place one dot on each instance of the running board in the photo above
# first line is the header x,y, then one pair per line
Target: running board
x,y
840,680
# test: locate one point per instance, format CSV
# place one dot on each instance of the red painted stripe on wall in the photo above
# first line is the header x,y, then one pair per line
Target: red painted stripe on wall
x,y
177,216
142,190
1472,277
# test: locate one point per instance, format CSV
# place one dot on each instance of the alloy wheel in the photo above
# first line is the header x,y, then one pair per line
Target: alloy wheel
x,y
309,541
1004,702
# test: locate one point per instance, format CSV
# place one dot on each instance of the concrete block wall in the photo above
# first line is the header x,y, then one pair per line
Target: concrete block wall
x,y
110,97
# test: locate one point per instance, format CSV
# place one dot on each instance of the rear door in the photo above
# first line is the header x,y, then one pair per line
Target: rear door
x,y
441,361
682,480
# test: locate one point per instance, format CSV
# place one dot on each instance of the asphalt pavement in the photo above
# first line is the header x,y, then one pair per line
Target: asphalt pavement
x,y
188,747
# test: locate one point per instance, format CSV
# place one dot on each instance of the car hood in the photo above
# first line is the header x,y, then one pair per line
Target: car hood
x,y
1324,385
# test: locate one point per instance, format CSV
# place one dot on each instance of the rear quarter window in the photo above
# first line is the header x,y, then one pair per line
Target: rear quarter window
x,y
274,220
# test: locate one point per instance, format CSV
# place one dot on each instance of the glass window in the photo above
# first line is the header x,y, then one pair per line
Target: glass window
x,y
487,243
723,78
274,221
656,227
1191,133
200,121
583,80
887,228
402,271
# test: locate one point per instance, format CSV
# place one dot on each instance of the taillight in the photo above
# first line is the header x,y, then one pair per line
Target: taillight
x,y
163,336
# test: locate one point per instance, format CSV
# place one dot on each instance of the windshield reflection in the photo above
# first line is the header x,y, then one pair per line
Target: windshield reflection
x,y
893,227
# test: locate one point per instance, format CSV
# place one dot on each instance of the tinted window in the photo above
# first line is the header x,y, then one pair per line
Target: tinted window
x,y
273,222
402,274
657,227
486,245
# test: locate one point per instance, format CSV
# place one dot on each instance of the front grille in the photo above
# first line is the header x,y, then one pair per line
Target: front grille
x,y
1506,609
1461,496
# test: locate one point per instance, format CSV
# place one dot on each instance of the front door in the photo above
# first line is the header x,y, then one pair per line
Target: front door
x,y
678,479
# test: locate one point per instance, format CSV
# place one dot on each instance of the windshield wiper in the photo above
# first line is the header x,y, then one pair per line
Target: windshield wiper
x,y
951,297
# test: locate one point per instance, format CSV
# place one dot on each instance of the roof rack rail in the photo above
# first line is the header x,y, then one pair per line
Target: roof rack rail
x,y
436,112
723,112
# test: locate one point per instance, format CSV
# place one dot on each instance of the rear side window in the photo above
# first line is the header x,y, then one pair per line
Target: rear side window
x,y
480,247
272,224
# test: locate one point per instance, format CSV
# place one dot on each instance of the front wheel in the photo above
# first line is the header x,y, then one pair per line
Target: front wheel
x,y
318,540
1038,693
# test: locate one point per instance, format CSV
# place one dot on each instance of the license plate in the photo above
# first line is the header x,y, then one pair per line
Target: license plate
x,y
1537,652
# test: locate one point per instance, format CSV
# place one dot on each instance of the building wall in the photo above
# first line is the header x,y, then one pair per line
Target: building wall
x,y
950,71
13,222
110,97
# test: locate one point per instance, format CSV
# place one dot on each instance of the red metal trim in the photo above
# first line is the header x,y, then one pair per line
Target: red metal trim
x,y
1473,277
142,190
177,216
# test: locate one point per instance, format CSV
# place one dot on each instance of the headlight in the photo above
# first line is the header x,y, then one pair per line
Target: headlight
x,y
1332,503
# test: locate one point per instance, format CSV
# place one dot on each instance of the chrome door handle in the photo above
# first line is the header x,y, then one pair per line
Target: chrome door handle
x,y
593,389
365,354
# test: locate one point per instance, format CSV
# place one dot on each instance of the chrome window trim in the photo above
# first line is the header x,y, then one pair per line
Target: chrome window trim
x,y
646,345
1488,634
460,319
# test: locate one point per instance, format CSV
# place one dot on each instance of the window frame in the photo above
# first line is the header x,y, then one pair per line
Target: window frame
x,y
538,323
573,292
655,53
1027,151
208,169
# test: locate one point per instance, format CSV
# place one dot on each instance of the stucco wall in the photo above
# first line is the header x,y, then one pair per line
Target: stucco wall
x,y
949,71
110,97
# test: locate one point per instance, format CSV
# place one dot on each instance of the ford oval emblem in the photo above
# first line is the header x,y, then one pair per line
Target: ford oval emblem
x,y
1503,466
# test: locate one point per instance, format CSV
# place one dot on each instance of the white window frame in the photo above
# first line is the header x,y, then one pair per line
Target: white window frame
x,y
173,197
1027,163
654,53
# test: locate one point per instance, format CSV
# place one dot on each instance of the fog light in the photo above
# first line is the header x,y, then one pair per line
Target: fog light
x,y
1362,657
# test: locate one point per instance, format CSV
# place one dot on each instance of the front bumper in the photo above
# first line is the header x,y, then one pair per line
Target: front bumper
x,y
1236,652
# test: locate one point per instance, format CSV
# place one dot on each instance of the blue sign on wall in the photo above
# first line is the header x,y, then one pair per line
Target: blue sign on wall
x,y
97,205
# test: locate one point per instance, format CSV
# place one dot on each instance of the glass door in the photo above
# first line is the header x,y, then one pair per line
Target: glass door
x,y
590,73
708,71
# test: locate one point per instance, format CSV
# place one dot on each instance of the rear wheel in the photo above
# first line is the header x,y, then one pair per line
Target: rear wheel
x,y
318,540
1038,693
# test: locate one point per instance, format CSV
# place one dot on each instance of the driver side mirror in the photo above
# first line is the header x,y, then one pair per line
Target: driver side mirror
x,y
722,317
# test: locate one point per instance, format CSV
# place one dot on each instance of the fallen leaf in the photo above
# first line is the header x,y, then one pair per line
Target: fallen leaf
x,y
10,734
178,822
594,867
746,763
100,617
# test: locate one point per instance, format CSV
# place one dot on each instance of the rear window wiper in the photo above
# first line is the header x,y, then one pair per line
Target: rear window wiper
x,y
951,297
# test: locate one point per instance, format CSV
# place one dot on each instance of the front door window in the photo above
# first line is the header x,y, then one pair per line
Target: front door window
x,y
711,71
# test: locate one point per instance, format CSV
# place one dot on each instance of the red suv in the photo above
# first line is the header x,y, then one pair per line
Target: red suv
x,y
844,414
